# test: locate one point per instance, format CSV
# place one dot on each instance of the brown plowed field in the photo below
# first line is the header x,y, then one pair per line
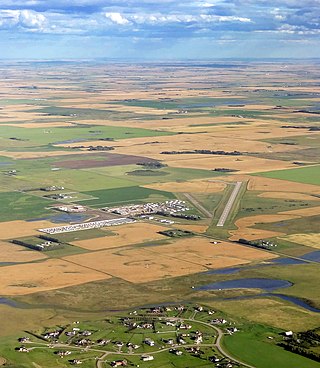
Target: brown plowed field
x,y
112,159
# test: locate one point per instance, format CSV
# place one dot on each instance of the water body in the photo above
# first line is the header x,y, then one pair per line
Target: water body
x,y
75,140
62,217
232,270
248,283
68,217
312,256
226,271
6,163
9,302
288,261
297,301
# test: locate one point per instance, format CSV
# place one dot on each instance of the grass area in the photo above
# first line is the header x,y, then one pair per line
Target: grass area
x,y
20,206
305,279
310,155
77,180
81,235
301,140
252,345
126,195
308,224
306,175
19,136
171,174
181,103
251,204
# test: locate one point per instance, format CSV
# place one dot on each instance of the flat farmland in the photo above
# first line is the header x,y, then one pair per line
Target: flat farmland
x,y
135,233
101,135
183,257
110,197
136,265
12,253
19,228
194,186
310,240
305,175
242,164
18,206
47,275
214,256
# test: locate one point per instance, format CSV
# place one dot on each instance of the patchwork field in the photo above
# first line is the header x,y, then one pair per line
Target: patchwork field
x,y
310,240
76,138
183,257
135,233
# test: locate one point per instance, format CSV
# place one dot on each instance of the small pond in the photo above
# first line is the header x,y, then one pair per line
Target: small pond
x,y
249,283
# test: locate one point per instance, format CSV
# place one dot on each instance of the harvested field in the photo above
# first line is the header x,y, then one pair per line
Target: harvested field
x,y
312,211
136,265
195,228
194,186
17,253
153,146
41,125
183,257
289,195
18,229
111,159
202,251
23,155
245,231
261,184
244,224
310,240
48,275
135,233
244,164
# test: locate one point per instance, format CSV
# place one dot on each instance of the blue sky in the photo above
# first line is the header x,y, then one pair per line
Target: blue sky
x,y
159,29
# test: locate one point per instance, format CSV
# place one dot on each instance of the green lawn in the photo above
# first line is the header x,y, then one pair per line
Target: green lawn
x,y
306,175
252,345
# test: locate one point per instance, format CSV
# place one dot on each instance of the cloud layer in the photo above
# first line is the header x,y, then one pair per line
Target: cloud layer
x,y
153,25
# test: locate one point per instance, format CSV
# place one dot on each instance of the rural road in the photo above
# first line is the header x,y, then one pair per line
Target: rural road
x,y
229,204
198,205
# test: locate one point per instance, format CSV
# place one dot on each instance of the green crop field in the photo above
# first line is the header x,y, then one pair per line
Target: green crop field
x,y
13,137
112,197
20,206
306,175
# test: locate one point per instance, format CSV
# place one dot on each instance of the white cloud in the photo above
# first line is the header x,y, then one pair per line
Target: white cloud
x,y
158,18
117,18
22,18
31,19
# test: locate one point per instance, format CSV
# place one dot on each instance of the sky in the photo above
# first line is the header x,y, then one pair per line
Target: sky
x,y
159,29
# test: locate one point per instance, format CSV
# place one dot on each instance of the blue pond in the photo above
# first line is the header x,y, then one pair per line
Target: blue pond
x,y
9,302
296,301
312,256
68,217
288,261
226,271
250,283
